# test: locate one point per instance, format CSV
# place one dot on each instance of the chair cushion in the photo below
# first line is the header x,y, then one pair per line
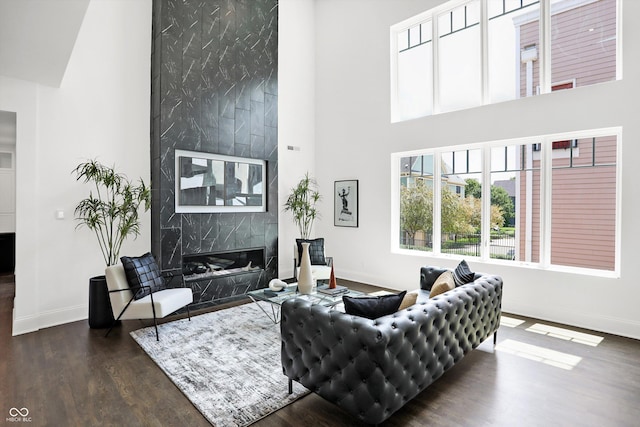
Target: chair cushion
x,y
372,307
316,251
142,271
165,302
463,274
319,272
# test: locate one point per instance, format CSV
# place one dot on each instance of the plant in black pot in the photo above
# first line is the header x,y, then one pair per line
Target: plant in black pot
x,y
112,212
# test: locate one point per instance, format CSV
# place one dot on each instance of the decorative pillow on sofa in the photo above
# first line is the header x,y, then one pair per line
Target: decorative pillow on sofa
x,y
142,271
409,299
372,307
463,274
443,283
316,251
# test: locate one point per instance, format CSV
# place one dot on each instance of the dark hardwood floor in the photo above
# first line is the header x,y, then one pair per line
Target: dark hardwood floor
x,y
71,375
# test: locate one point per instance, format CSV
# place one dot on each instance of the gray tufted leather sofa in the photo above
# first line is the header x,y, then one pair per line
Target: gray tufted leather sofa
x,y
371,368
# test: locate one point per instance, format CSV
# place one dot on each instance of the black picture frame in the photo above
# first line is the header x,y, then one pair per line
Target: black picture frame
x,y
345,203
210,183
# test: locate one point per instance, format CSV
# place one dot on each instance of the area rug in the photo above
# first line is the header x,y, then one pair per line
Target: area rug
x,y
226,362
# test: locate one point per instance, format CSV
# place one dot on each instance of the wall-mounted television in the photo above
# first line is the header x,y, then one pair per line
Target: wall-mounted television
x,y
207,182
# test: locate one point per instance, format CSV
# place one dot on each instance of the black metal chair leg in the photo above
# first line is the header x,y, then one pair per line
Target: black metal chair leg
x,y
155,323
290,386
188,313
495,338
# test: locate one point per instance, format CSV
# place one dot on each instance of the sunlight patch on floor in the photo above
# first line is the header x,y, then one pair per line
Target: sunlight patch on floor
x,y
510,322
539,354
566,334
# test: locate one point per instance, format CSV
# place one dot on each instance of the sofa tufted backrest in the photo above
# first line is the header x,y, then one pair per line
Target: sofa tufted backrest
x,y
428,276
371,368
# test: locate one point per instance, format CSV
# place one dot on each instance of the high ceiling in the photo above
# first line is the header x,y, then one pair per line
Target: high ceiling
x,y
37,38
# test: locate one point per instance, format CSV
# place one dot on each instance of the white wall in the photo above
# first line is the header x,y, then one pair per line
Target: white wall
x,y
354,139
101,110
296,113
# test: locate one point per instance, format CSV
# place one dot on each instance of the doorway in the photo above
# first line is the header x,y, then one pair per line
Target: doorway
x,y
7,193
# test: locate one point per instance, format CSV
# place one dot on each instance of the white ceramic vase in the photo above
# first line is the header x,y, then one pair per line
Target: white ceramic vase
x,y
305,278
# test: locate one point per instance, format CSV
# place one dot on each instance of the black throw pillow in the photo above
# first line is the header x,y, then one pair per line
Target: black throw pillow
x,y
372,307
142,271
316,251
463,274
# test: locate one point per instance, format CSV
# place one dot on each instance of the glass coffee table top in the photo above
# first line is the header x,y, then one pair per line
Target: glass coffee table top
x,y
291,291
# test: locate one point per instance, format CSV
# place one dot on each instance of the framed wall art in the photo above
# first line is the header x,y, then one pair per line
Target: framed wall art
x,y
345,204
207,182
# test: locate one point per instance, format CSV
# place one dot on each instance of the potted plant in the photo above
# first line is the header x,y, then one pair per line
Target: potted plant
x,y
111,212
302,204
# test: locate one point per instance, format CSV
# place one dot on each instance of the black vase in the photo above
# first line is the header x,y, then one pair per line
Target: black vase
x,y
100,314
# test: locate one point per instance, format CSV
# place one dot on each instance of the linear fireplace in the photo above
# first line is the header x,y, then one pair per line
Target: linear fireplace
x,y
217,264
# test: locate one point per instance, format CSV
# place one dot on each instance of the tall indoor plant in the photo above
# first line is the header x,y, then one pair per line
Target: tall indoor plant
x,y
302,204
111,212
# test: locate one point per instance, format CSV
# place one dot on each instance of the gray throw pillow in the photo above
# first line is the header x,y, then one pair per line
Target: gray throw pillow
x,y
463,274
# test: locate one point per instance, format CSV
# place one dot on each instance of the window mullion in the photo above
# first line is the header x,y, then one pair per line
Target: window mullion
x,y
485,241
484,51
546,182
435,81
437,200
545,43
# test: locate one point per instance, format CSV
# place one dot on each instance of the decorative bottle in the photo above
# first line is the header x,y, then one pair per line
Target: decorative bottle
x,y
305,278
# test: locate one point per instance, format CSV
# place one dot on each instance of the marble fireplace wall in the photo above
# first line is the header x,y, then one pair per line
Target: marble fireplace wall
x,y
214,89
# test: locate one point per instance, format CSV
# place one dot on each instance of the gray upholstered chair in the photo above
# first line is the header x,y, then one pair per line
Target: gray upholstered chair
x,y
157,304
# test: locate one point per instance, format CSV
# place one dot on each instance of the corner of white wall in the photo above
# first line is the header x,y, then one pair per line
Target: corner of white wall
x,y
100,111
296,113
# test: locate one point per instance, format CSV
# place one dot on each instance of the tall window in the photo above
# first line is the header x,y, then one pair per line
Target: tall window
x,y
415,71
459,67
583,200
416,202
549,201
460,204
502,57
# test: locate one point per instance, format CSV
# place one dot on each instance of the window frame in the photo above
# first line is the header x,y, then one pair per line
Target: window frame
x,y
432,15
546,171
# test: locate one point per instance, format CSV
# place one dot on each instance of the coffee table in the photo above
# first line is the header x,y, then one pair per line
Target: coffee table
x,y
290,292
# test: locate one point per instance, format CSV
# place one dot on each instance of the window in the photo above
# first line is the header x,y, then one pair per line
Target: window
x,y
459,67
449,58
416,199
583,200
549,201
460,213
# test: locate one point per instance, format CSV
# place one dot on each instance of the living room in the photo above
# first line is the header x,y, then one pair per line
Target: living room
x,y
333,110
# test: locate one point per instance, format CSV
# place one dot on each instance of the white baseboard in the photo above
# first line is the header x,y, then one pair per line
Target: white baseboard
x,y
47,319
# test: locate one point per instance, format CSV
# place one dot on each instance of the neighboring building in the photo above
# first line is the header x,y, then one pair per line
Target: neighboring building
x,y
584,171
